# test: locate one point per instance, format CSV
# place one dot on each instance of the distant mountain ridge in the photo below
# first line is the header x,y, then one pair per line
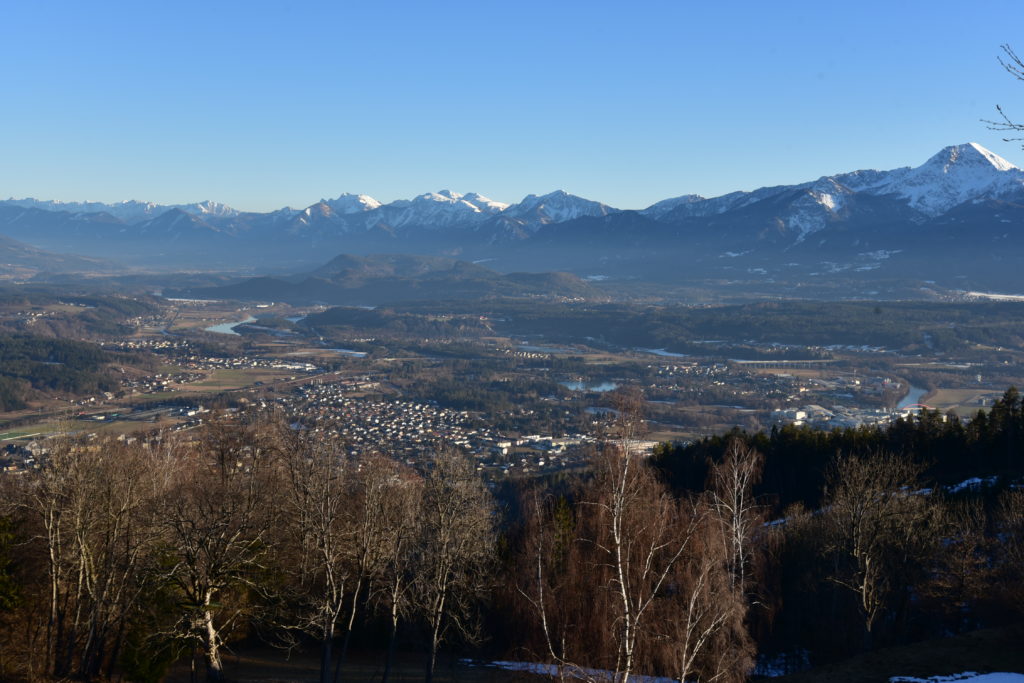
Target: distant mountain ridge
x,y
952,176
963,198
389,278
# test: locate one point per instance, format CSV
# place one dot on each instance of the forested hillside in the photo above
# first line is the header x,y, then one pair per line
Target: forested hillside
x,y
43,364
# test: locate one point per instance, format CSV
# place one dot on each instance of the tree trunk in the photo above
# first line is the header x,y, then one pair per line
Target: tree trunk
x,y
326,652
214,667
434,640
391,643
429,677
348,632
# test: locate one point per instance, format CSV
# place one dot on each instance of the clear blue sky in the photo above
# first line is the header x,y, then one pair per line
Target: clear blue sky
x,y
266,104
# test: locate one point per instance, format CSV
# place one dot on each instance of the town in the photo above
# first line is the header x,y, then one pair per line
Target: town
x,y
519,405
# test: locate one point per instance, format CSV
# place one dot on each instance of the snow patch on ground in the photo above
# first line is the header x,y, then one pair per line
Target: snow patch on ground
x,y
997,677
994,297
580,673
972,484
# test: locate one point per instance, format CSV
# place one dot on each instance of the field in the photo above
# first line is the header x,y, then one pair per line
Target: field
x,y
225,380
963,401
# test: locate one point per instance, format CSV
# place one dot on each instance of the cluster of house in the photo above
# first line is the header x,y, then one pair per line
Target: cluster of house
x,y
683,368
18,458
413,430
160,382
150,344
835,417
198,362
851,387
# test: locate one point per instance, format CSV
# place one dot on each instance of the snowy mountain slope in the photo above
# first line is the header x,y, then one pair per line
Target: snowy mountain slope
x,y
130,211
433,211
555,207
352,203
963,196
818,205
436,210
660,209
956,174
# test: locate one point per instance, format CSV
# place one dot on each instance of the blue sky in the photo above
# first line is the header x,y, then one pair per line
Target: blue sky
x,y
266,104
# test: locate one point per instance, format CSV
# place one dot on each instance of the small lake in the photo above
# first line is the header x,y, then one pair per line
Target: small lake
x,y
229,328
583,386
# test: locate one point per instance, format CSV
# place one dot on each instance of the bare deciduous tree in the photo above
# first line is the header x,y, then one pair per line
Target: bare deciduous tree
x,y
397,511
318,527
93,507
636,539
879,529
706,637
731,485
456,546
217,522
1014,65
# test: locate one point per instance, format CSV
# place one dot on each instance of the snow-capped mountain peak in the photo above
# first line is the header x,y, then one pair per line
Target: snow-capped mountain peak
x,y
207,208
484,203
954,175
352,203
444,196
957,176
129,211
440,209
969,154
556,207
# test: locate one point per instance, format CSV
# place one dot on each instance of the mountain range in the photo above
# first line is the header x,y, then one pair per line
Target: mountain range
x,y
962,207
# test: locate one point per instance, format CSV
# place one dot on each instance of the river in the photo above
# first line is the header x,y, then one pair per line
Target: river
x,y
913,397
229,328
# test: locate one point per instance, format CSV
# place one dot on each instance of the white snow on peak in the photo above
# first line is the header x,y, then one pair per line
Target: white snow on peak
x,y
555,207
440,209
485,204
970,154
993,158
441,196
129,211
207,208
473,201
956,174
347,203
